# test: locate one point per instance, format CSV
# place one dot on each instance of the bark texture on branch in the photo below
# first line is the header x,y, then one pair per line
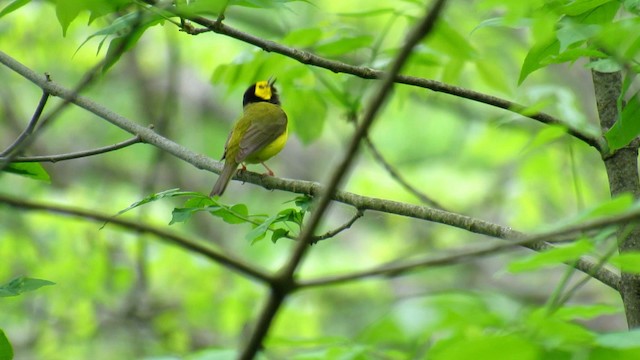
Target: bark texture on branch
x,y
622,171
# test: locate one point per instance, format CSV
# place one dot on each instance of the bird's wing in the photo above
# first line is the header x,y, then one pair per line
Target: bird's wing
x,y
268,122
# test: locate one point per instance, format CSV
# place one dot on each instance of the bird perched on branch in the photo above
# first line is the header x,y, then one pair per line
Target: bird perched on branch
x,y
259,134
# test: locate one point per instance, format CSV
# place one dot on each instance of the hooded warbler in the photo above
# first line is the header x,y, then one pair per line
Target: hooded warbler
x,y
259,134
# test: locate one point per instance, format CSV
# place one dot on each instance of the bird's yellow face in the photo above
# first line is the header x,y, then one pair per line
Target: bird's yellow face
x,y
263,90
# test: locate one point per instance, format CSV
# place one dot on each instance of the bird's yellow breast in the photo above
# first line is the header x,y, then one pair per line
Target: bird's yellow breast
x,y
270,150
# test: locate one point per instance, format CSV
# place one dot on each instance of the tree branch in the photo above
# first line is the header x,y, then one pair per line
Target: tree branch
x,y
30,126
338,230
399,178
77,154
364,72
137,226
396,269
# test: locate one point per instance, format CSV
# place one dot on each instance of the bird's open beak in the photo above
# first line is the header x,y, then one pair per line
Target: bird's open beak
x,y
271,81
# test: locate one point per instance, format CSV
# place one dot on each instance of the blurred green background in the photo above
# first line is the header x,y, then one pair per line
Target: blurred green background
x,y
121,295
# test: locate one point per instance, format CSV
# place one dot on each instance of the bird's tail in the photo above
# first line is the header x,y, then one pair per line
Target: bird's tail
x,y
228,170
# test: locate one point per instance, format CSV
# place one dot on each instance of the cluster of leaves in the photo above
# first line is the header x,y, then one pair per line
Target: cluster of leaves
x,y
281,225
597,32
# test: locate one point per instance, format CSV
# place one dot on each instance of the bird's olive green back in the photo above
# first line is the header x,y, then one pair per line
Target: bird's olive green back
x,y
260,125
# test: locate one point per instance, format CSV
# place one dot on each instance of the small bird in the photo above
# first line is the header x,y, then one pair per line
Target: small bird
x,y
259,134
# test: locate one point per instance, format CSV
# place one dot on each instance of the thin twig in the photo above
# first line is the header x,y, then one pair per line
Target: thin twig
x,y
398,177
78,154
338,230
571,291
222,259
31,125
86,80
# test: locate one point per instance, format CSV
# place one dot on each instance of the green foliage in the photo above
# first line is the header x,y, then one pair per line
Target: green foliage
x,y
16,287
20,285
13,6
627,127
32,170
627,262
579,23
555,256
6,350
280,225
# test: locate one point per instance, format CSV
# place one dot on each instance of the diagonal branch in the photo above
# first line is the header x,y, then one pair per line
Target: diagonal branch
x,y
395,174
77,154
338,230
364,72
222,259
396,269
30,126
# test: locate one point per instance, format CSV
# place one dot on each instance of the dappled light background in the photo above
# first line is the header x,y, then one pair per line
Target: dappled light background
x,y
122,295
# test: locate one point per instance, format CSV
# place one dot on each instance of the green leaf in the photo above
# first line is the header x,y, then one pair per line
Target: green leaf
x,y
260,231
614,206
99,8
583,312
551,257
120,45
545,136
607,65
119,27
502,21
236,214
279,234
538,57
628,262
571,33
15,5
602,13
368,13
632,6
627,127
304,202
67,11
200,7
575,53
557,332
578,7
20,285
32,170
485,346
6,350
191,206
158,196
181,215
264,4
